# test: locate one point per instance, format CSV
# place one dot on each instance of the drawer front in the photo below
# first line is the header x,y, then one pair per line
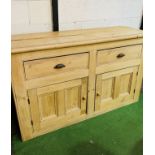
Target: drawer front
x,y
55,65
118,54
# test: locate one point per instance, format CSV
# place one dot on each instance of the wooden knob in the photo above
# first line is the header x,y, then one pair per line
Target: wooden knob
x,y
83,98
98,94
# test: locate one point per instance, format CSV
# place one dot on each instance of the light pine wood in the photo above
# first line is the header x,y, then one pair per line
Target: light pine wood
x,y
84,92
32,94
106,31
116,66
26,56
21,99
110,55
91,85
72,38
51,103
115,87
59,86
139,81
98,92
45,67
40,82
93,81
60,109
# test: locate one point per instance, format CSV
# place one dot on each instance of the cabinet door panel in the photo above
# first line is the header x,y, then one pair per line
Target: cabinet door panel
x,y
125,84
115,88
107,90
47,105
57,102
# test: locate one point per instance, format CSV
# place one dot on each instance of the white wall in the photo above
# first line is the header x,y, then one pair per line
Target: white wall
x,y
31,16
75,14
35,15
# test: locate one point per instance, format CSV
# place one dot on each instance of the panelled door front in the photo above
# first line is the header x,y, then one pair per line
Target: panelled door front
x,y
115,88
58,103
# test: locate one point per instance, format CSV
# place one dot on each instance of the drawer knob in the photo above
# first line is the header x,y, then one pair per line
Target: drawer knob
x,y
59,66
120,55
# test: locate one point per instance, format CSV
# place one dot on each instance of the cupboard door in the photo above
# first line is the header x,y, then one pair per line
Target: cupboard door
x,y
56,104
115,88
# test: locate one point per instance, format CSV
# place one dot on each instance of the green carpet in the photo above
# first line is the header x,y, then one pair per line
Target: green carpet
x,y
115,133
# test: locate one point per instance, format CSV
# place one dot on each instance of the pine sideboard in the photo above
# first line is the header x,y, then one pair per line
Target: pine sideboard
x,y
61,78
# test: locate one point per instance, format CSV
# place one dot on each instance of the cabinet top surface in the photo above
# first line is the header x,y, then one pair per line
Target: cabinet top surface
x,y
50,40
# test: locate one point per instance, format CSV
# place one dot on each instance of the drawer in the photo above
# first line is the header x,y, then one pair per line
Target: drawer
x,y
55,65
118,54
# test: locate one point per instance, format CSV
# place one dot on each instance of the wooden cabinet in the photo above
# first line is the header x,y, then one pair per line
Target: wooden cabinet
x,y
61,78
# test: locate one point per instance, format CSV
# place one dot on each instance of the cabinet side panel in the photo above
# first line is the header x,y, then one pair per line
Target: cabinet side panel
x,y
21,102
